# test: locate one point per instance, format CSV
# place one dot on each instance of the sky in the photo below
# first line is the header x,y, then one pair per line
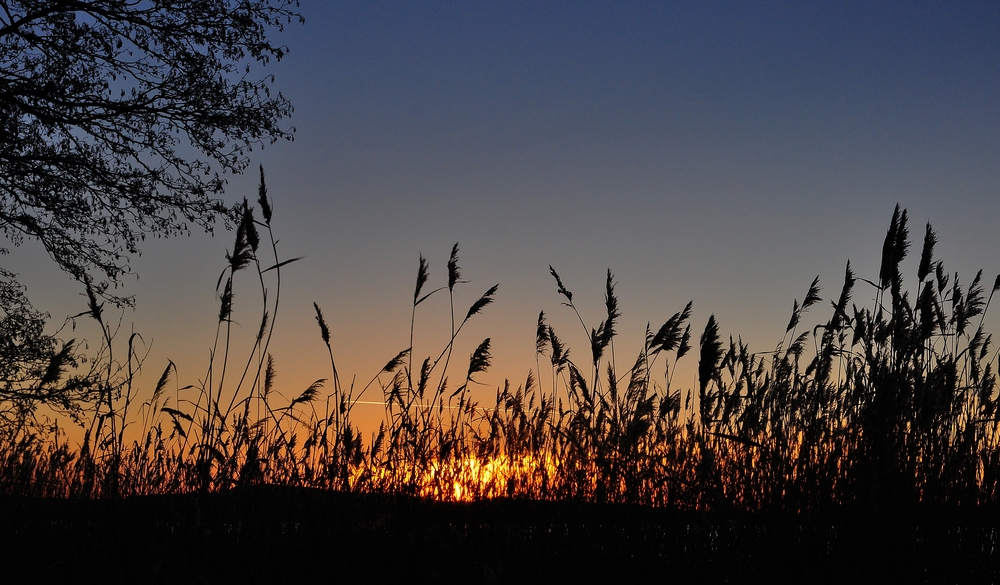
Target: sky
x,y
716,152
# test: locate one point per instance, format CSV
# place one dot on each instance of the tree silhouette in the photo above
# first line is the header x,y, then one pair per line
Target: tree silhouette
x,y
119,120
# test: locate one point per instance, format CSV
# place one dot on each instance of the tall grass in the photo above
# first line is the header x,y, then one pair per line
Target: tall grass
x,y
881,406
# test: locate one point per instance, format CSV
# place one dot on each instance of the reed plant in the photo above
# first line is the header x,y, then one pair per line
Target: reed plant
x,y
883,406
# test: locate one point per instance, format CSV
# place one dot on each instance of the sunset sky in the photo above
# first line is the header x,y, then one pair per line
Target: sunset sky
x,y
725,153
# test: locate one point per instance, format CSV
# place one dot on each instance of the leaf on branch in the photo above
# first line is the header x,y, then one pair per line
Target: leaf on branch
x,y
282,263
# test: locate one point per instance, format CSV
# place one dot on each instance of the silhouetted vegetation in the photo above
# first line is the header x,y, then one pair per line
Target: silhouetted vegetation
x,y
880,418
118,121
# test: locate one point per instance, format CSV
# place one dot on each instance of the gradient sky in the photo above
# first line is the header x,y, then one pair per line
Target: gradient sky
x,y
724,153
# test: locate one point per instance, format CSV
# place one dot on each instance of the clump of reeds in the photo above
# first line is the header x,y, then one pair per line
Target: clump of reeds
x,y
892,404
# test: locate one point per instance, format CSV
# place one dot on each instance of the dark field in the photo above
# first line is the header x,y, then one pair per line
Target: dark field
x,y
279,535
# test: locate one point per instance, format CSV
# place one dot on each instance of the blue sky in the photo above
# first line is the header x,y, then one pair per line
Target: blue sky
x,y
719,152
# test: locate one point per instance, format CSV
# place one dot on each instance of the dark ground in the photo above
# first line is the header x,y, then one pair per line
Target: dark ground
x,y
282,535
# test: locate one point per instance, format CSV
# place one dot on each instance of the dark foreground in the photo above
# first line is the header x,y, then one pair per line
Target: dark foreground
x,y
278,535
